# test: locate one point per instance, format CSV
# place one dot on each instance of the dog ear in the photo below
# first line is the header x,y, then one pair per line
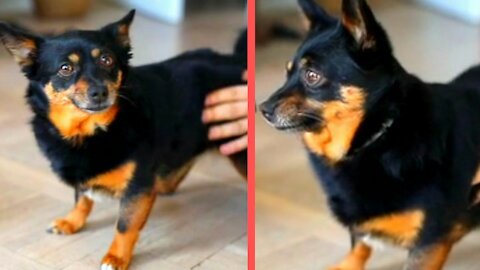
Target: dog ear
x,y
358,19
23,46
120,30
316,16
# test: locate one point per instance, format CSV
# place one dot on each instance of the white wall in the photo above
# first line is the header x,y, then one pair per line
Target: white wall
x,y
276,4
171,11
8,6
466,10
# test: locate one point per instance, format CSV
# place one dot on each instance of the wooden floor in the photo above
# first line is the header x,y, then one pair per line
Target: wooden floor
x,y
294,227
202,227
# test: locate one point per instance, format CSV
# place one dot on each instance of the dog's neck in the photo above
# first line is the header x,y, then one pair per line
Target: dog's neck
x,y
385,126
386,111
379,117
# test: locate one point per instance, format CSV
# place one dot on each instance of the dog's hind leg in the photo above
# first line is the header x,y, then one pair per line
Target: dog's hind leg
x,y
239,161
168,185
432,257
356,259
76,219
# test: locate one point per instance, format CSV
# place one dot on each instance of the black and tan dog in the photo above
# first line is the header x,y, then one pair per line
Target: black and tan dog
x,y
397,157
128,132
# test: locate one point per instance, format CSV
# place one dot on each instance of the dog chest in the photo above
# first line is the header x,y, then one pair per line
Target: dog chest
x,y
113,182
400,229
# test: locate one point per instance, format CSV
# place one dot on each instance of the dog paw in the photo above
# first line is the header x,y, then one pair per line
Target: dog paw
x,y
63,226
111,262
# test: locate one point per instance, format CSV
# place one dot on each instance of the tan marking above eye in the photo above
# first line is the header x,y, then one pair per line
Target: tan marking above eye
x,y
289,66
74,58
303,62
95,52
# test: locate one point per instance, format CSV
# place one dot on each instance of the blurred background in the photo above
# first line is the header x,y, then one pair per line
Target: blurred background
x,y
435,39
203,226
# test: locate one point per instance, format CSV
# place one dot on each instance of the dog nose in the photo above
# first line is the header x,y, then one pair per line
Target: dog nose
x,y
267,111
98,94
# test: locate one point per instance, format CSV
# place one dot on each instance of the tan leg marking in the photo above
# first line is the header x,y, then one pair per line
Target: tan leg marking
x,y
133,215
169,184
75,220
432,258
356,259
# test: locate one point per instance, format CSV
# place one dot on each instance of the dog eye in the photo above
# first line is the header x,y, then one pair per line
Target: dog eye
x,y
106,60
313,78
66,70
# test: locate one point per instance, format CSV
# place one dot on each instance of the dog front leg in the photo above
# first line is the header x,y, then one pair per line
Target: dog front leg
x,y
76,219
357,258
134,211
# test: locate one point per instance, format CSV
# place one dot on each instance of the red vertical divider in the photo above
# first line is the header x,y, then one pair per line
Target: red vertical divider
x,y
251,134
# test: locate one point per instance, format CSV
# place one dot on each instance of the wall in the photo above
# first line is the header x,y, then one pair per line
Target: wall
x,y
466,10
171,11
9,6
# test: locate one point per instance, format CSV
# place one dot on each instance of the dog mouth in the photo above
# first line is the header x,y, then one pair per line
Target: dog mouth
x,y
293,122
93,108
290,128
296,124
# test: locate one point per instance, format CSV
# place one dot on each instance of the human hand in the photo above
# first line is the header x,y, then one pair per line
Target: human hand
x,y
228,105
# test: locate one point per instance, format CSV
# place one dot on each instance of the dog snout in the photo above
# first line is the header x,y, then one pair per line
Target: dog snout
x,y
98,95
268,111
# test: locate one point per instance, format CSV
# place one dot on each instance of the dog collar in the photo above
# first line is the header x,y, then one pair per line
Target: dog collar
x,y
385,126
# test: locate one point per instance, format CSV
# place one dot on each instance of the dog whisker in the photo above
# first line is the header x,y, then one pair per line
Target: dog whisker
x,y
127,99
310,116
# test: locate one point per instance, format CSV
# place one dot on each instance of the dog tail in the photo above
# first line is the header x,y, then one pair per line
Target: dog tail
x,y
240,49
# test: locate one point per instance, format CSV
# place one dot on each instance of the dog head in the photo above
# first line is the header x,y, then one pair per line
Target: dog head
x,y
338,72
80,69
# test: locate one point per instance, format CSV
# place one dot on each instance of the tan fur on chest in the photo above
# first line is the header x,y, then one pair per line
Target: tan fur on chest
x,y
75,124
342,119
401,228
113,182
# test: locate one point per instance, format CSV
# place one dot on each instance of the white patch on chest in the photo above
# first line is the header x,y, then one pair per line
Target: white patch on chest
x,y
374,242
97,196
